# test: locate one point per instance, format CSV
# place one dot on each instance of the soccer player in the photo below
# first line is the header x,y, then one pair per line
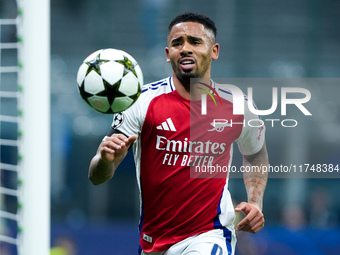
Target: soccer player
x,y
181,214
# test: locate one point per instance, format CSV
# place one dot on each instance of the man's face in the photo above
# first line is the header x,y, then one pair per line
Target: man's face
x,y
191,48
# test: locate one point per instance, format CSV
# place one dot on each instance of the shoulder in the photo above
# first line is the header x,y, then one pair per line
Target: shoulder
x,y
154,89
230,92
148,93
235,95
164,85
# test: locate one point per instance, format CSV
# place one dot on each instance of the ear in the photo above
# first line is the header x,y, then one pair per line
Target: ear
x,y
215,51
167,55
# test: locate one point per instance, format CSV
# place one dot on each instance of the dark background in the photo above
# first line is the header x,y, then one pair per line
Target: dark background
x,y
259,39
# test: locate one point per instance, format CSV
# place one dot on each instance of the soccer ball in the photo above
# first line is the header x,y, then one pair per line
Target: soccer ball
x,y
110,80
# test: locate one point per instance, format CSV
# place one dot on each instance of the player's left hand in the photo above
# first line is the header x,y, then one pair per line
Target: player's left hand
x,y
254,220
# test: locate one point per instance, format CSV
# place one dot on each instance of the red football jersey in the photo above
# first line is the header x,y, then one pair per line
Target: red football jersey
x,y
177,147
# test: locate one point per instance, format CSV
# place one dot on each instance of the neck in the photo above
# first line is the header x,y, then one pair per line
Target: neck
x,y
180,88
192,93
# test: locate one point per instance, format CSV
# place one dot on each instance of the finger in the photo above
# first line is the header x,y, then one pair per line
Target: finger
x,y
253,227
243,224
251,222
257,227
121,139
252,216
131,140
240,207
113,145
106,149
246,209
116,141
107,154
123,142
116,137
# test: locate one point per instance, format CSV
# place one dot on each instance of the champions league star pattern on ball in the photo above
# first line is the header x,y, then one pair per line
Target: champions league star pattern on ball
x,y
110,80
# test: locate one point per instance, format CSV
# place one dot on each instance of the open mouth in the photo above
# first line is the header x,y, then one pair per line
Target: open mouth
x,y
187,63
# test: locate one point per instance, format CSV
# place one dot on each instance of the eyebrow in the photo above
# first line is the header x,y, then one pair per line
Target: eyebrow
x,y
177,39
194,38
191,38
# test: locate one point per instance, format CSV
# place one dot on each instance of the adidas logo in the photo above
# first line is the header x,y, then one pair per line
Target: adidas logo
x,y
167,125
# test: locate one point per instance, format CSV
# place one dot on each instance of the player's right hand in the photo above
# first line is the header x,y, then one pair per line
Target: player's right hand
x,y
115,146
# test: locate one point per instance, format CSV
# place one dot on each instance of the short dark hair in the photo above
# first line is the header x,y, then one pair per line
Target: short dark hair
x,y
194,17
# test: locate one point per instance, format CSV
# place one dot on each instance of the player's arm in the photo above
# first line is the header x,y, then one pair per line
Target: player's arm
x,y
255,183
111,151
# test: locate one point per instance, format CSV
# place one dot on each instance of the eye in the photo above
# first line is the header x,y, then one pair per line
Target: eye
x,y
176,44
196,41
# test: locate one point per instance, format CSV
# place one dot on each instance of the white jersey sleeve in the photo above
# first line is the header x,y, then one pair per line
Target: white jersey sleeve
x,y
252,137
130,121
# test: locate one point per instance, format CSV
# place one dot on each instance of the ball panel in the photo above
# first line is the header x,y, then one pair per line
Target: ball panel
x,y
128,84
82,73
112,72
121,103
111,54
99,103
92,56
93,83
133,61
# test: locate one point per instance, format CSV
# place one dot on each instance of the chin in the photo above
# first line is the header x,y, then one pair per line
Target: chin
x,y
184,78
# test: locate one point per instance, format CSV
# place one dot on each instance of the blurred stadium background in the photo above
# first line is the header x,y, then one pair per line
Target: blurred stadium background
x,y
259,39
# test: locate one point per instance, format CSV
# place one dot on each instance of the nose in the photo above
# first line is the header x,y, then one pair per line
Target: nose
x,y
186,49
